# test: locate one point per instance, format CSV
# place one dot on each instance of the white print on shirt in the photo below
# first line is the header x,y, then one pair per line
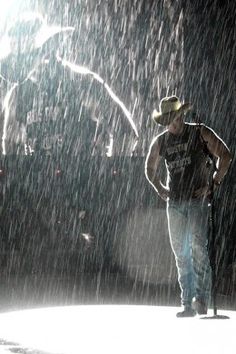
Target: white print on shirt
x,y
50,141
35,116
47,143
179,163
177,148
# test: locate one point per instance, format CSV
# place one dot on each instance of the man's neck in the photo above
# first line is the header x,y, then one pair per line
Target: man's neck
x,y
178,129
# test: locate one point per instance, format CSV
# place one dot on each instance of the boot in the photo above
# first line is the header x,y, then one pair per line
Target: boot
x,y
187,312
199,306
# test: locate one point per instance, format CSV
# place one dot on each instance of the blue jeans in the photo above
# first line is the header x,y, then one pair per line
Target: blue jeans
x,y
188,230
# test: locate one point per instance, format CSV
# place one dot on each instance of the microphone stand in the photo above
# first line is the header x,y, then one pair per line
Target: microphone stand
x,y
213,252
211,204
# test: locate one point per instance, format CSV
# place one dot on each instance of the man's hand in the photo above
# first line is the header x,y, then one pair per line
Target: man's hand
x,y
164,193
202,192
151,167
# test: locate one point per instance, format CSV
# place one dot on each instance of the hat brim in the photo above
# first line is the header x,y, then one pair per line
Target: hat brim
x,y
42,37
48,32
167,118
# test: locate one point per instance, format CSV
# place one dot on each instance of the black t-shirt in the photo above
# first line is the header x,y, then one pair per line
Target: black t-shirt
x,y
53,108
186,160
56,111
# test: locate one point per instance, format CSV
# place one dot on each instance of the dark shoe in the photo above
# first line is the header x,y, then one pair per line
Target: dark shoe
x,y
199,306
187,312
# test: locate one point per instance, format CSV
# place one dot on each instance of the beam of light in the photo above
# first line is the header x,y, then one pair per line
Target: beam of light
x,y
85,71
6,7
116,329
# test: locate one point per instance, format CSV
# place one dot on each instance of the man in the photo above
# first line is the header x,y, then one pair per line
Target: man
x,y
186,149
46,98
51,112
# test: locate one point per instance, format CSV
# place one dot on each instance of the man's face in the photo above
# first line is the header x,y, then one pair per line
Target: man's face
x,y
21,59
175,127
23,33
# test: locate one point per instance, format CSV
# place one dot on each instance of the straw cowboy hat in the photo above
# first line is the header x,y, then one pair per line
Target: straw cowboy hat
x,y
170,107
30,24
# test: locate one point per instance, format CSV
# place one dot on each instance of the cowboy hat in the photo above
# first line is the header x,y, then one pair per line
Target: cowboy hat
x,y
170,107
30,24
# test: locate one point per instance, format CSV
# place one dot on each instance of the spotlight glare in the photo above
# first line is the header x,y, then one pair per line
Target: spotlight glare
x,y
8,9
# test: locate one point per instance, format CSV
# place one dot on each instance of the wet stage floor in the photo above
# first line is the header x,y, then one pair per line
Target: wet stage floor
x,y
114,329
105,316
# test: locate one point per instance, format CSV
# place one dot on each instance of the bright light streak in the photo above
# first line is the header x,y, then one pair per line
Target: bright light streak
x,y
117,329
6,6
85,71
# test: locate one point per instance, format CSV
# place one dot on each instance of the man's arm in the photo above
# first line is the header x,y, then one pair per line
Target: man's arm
x,y
218,149
151,165
14,132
